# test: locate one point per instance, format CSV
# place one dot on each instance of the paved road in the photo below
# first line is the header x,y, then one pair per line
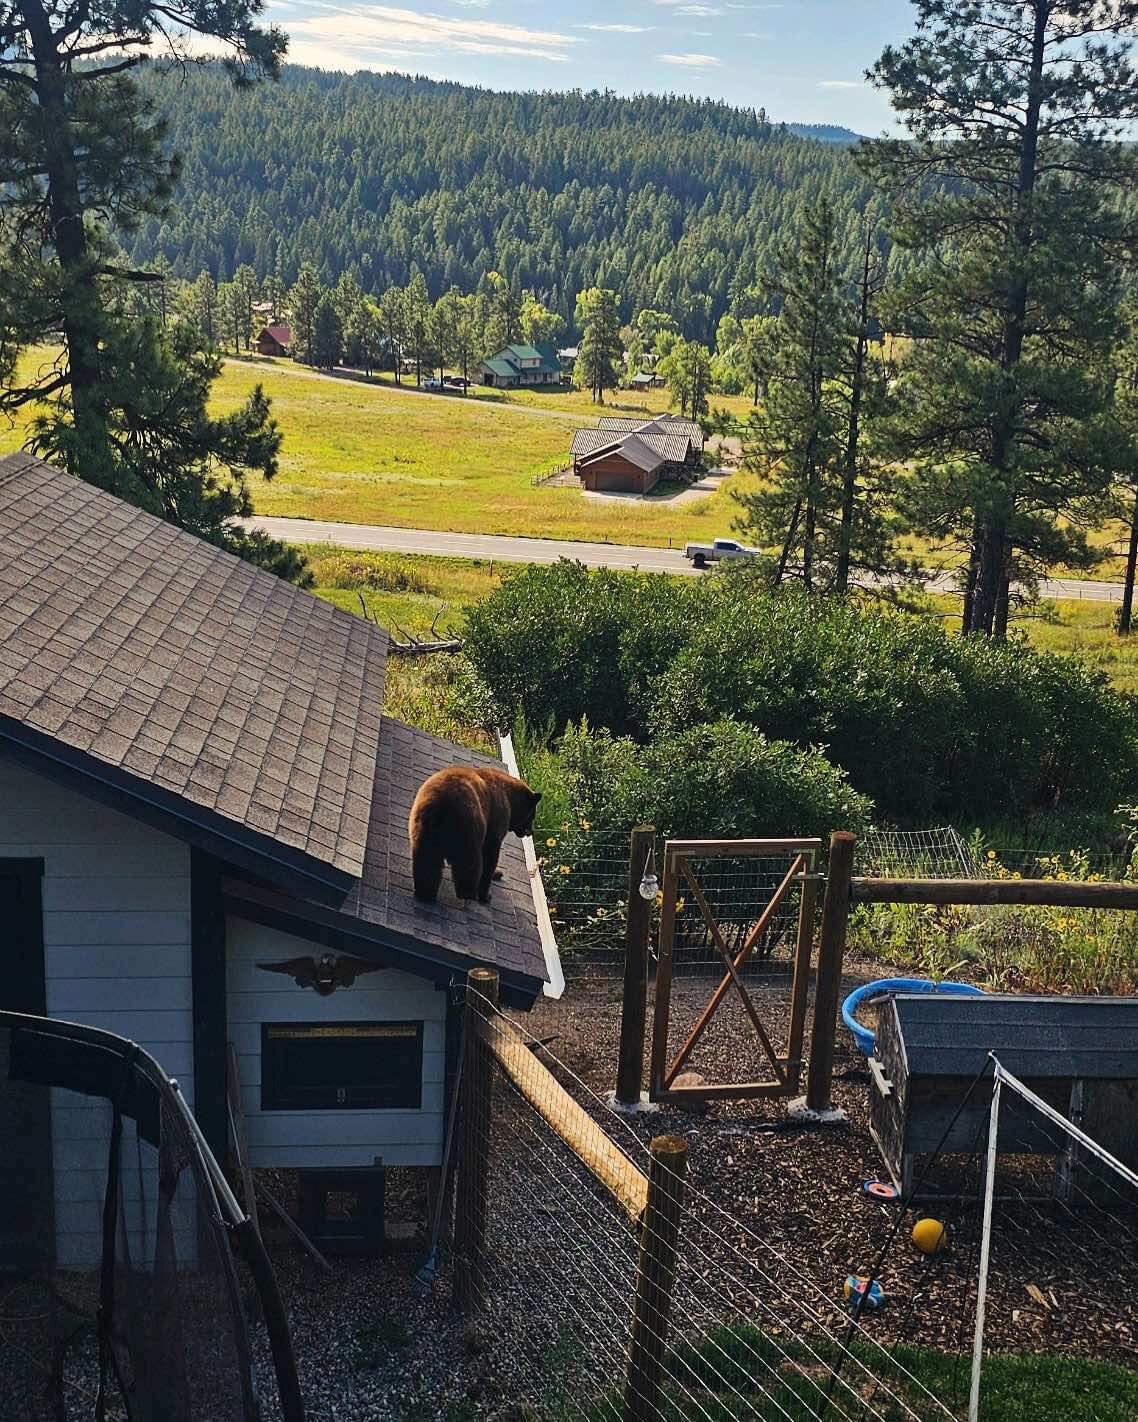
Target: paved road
x,y
548,550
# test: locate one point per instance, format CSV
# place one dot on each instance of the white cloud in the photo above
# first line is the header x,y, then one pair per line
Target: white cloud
x,y
699,11
371,35
472,4
691,61
840,84
618,29
757,34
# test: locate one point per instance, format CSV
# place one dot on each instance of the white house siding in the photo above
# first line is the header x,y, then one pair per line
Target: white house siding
x,y
303,1139
116,927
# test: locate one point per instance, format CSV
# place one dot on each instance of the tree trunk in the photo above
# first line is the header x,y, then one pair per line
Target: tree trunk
x,y
79,295
1125,612
989,578
1003,608
784,556
857,385
809,534
995,550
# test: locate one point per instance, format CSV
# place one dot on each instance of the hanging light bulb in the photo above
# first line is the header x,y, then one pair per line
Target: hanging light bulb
x,y
649,884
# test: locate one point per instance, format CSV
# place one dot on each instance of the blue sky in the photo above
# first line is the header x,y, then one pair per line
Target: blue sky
x,y
801,59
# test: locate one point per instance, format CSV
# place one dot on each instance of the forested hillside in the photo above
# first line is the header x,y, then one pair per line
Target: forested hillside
x,y
676,204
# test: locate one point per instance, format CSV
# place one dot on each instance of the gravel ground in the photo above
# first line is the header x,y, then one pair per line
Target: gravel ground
x,y
776,1219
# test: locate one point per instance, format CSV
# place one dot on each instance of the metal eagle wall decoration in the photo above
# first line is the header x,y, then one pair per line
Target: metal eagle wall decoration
x,y
325,974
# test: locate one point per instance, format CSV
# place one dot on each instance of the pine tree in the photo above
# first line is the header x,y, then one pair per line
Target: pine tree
x,y
1009,192
796,439
84,152
303,301
758,352
865,511
600,356
392,319
327,334
417,321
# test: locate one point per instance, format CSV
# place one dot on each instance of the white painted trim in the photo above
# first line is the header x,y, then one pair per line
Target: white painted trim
x,y
555,987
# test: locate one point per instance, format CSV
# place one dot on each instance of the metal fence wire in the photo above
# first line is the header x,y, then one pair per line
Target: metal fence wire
x,y
119,1291
563,1269
586,881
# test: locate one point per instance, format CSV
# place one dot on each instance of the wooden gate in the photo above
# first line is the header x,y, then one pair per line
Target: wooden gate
x,y
680,877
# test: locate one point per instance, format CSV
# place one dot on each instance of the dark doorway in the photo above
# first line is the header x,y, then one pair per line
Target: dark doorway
x,y
27,1217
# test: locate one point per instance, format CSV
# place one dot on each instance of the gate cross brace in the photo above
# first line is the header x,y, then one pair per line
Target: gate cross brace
x,y
732,975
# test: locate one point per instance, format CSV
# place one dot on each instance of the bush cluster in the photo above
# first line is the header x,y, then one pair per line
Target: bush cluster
x,y
705,687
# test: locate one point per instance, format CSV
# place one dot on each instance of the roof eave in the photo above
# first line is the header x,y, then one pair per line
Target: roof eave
x,y
172,814
372,941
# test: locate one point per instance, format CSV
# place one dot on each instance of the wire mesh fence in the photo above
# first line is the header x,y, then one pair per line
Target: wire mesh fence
x,y
917,854
120,1295
586,880
600,1310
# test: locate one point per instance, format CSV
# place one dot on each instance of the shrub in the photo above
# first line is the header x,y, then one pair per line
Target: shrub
x,y
558,643
926,725
876,689
724,780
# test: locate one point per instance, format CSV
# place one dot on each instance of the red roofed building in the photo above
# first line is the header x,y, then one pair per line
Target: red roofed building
x,y
273,341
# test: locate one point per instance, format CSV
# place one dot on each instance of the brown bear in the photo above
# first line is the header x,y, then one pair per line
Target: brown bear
x,y
461,815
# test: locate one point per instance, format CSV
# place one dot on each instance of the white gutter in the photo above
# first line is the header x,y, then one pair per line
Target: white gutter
x,y
556,978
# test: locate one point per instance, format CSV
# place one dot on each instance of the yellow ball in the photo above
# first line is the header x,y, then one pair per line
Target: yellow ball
x,y
929,1236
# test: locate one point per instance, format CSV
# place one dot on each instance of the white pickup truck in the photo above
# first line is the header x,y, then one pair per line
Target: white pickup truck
x,y
722,550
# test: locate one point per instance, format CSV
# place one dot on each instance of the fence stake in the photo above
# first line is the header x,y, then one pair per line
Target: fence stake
x,y
831,949
630,1063
803,948
474,1143
655,1278
985,1253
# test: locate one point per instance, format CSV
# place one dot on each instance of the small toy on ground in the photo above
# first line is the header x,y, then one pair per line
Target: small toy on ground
x,y
930,1236
881,1190
855,1288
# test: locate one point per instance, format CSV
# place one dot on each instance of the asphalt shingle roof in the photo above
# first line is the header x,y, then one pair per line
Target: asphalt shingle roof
x,y
659,424
145,649
503,932
589,441
644,443
1034,1037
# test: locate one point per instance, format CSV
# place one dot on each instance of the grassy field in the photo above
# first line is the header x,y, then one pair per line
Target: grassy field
x,y
363,451
359,452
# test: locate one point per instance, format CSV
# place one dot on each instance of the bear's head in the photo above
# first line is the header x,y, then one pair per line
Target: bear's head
x,y
524,802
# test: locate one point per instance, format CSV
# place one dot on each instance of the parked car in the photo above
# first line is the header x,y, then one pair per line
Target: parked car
x,y
431,382
457,382
722,550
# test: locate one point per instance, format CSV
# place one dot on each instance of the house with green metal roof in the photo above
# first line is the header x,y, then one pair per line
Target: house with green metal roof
x,y
517,365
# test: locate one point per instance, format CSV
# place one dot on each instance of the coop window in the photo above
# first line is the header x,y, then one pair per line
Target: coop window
x,y
341,1066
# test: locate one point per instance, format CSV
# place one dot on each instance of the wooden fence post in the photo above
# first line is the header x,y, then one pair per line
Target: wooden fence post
x,y
827,989
630,1063
476,1109
655,1278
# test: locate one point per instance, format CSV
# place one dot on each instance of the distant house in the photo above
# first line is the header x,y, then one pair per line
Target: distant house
x,y
632,456
567,359
646,380
273,341
521,365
